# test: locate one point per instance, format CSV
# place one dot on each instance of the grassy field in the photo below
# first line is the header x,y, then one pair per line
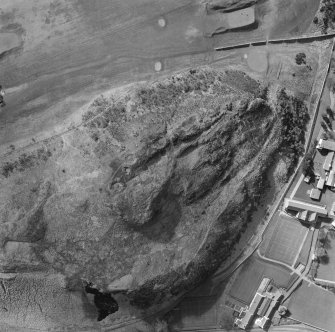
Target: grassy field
x,y
285,240
195,312
314,306
251,275
327,271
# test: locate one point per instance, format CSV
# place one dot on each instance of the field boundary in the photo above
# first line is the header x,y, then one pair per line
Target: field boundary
x,y
309,38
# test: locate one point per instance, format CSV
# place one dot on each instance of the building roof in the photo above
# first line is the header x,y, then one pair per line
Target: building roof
x,y
328,161
261,322
312,217
275,301
264,307
321,183
325,144
332,210
263,285
255,303
303,215
301,206
331,179
315,193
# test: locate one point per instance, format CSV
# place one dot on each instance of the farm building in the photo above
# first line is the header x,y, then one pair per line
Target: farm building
x,y
327,165
306,216
321,183
332,210
274,300
326,145
264,285
291,204
263,305
250,312
315,194
331,179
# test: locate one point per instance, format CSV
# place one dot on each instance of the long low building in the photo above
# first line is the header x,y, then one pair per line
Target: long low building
x,y
291,204
244,322
325,144
327,165
321,183
331,179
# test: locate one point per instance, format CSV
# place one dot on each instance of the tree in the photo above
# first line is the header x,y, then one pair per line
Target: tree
x,y
324,126
300,58
322,236
330,113
308,165
326,120
324,136
321,252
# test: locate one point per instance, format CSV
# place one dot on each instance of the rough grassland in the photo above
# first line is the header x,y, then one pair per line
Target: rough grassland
x,y
154,191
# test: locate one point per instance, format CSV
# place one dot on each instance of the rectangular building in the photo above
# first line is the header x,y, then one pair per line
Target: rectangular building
x,y
264,307
291,204
250,313
325,144
327,165
321,183
315,194
263,285
331,179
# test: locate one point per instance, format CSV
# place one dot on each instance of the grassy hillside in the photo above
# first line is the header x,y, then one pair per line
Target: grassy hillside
x,y
154,190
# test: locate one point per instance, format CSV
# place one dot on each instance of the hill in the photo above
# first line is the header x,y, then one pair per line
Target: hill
x,y
150,195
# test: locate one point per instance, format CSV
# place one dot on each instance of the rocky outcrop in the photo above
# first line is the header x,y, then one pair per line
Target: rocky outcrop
x,y
226,6
151,194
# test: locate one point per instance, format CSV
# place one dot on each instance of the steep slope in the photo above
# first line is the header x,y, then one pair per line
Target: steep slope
x,y
150,195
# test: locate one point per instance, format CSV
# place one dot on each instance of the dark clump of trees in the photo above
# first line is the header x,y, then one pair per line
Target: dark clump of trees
x,y
300,58
330,113
308,164
328,13
293,115
104,302
25,161
327,120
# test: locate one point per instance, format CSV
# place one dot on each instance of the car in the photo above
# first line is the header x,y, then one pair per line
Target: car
x,y
307,179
